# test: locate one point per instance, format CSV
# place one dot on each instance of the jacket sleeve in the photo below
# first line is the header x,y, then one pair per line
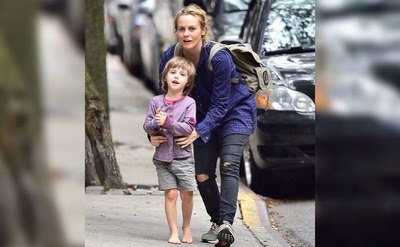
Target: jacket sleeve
x,y
185,127
148,126
221,91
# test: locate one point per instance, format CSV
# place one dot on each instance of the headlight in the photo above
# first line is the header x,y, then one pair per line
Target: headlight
x,y
283,99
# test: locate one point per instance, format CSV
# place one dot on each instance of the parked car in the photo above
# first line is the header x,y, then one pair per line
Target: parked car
x,y
129,30
156,22
112,38
282,149
226,17
150,49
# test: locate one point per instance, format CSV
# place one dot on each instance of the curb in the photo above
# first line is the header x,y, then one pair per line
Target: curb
x,y
256,218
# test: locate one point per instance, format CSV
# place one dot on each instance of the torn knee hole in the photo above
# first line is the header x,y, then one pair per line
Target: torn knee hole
x,y
202,177
226,164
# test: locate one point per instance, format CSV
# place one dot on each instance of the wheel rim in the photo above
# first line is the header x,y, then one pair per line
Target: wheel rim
x,y
247,164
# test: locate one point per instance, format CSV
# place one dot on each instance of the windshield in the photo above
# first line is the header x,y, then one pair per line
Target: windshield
x,y
235,5
290,24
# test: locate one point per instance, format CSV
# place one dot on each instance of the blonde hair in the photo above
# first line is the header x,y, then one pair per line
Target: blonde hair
x,y
195,10
183,63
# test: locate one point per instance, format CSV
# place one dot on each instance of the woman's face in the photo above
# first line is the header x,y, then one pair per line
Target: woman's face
x,y
189,32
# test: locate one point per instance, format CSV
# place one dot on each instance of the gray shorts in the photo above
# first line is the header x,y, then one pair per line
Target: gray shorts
x,y
179,174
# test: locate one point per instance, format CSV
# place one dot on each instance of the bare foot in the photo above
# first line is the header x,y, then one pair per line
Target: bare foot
x,y
187,236
173,239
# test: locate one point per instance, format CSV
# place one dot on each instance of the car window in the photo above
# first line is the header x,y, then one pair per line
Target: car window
x,y
235,5
290,24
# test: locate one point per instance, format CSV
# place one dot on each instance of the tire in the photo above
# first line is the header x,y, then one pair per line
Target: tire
x,y
120,46
254,177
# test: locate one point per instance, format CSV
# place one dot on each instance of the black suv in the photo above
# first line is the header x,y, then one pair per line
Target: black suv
x,y
282,149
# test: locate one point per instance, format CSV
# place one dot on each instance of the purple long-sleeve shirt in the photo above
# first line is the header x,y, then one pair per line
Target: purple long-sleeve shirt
x,y
181,120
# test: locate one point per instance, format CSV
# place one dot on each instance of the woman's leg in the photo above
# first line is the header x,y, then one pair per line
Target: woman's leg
x,y
231,154
171,196
205,158
187,208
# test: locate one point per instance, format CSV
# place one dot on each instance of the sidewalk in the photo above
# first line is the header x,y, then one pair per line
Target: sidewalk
x,y
136,217
139,220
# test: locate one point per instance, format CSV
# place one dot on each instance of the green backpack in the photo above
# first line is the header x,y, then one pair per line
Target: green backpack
x,y
247,62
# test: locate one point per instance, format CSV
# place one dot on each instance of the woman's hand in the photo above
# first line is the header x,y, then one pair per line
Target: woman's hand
x,y
187,140
156,140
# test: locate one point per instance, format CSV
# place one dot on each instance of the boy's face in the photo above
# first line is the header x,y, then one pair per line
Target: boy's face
x,y
177,78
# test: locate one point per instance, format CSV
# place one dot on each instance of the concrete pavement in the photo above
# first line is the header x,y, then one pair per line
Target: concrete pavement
x,y
135,217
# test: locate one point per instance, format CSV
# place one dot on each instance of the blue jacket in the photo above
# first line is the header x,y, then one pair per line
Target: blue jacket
x,y
222,107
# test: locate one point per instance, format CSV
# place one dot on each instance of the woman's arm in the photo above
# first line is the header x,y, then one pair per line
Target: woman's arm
x,y
221,92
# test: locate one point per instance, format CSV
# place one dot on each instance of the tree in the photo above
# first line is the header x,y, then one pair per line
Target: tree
x,y
27,211
94,46
101,166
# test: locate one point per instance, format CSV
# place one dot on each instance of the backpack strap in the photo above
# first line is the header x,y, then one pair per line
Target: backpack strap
x,y
216,48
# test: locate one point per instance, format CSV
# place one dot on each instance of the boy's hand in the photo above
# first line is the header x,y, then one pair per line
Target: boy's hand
x,y
160,117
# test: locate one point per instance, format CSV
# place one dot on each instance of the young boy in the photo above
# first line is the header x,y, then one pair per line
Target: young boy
x,y
173,114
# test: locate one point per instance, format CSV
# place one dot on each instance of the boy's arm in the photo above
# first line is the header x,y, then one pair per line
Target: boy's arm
x,y
184,127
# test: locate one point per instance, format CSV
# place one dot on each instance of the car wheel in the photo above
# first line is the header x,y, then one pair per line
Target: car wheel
x,y
246,167
119,49
254,177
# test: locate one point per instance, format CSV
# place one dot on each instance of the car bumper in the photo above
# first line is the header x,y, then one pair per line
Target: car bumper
x,y
284,140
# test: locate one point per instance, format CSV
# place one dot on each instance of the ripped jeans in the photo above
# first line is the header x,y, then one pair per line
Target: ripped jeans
x,y
220,205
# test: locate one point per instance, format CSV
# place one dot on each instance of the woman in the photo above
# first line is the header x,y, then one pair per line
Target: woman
x,y
226,116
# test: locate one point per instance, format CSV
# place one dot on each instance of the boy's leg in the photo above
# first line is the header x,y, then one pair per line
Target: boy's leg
x,y
171,196
187,208
183,169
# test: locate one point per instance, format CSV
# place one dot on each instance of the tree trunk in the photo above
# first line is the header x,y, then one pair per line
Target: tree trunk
x,y
27,213
91,177
101,164
94,47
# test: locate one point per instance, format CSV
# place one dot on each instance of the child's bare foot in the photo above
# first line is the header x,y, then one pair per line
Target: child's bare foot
x,y
173,239
187,236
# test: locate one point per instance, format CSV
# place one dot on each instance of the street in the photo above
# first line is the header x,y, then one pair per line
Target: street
x,y
294,220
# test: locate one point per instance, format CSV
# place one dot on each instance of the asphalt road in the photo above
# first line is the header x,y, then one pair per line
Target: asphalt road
x,y
294,220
